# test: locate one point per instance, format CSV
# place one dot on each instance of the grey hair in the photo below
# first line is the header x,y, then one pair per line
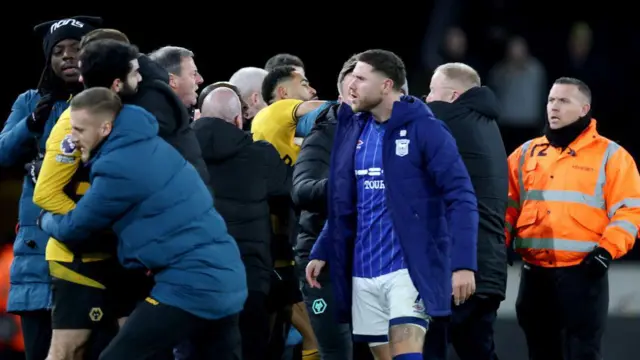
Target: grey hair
x,y
248,80
170,58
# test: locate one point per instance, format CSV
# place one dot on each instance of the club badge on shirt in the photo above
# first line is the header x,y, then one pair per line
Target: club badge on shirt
x,y
402,147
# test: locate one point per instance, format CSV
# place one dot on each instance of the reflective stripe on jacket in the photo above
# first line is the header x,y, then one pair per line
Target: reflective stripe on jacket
x,y
562,204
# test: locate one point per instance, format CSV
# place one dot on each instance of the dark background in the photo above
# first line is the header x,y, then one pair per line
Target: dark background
x,y
226,37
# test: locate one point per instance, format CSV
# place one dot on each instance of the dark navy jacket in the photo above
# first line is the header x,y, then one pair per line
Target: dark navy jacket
x,y
429,194
164,217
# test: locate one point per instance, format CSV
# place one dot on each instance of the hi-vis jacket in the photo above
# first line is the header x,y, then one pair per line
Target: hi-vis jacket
x,y
563,204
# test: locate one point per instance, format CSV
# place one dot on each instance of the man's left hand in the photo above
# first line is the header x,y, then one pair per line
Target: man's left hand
x,y
597,262
464,285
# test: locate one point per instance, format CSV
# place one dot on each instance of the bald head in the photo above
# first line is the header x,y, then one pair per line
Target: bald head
x,y
248,80
223,103
451,80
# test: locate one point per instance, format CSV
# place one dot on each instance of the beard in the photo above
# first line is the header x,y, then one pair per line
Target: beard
x,y
365,104
127,92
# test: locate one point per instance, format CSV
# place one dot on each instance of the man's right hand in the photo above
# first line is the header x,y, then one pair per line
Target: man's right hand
x,y
312,271
38,118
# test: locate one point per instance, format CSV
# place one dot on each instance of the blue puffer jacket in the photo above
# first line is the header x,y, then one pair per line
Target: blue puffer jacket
x,y
164,217
30,282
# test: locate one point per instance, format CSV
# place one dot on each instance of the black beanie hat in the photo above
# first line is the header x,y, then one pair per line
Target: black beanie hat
x,y
52,32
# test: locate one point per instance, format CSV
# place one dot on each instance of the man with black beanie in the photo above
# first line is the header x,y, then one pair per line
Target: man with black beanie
x,y
24,133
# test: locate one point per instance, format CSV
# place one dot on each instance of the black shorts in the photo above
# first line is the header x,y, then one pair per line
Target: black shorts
x,y
285,289
87,295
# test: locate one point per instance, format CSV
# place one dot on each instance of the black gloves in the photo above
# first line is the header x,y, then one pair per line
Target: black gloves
x,y
38,118
597,262
33,168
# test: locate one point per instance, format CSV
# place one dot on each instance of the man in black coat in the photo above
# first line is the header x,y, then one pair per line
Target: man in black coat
x,y
244,176
155,95
309,194
470,111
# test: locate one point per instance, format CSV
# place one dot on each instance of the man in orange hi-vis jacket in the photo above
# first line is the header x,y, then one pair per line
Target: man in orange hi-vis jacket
x,y
574,206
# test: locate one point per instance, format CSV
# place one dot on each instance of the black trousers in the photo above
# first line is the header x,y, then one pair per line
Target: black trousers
x,y
36,331
156,328
334,339
469,330
563,312
254,326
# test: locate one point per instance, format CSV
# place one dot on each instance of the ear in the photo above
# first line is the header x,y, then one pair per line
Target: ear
x,y
239,121
585,109
454,96
254,98
387,86
116,86
281,92
339,98
173,82
106,128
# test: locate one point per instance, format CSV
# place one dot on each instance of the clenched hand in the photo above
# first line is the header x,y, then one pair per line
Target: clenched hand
x,y
464,285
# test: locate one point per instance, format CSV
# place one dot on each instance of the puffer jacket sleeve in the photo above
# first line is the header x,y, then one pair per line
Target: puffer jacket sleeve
x,y
15,139
110,195
310,172
450,175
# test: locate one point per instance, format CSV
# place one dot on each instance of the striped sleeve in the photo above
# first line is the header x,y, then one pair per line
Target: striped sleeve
x,y
622,195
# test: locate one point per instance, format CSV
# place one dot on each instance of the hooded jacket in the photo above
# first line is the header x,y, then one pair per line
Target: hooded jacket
x,y
430,198
472,121
244,176
156,96
30,281
164,218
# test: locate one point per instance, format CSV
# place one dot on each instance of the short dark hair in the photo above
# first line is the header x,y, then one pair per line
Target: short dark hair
x,y
273,79
97,100
347,68
170,58
386,63
283,60
207,90
103,61
103,34
583,88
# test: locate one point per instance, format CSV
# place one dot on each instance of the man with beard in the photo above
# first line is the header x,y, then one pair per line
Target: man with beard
x,y
24,133
290,98
85,279
249,80
402,214
470,111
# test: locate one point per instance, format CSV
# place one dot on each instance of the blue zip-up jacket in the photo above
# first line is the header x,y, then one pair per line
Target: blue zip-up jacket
x,y
429,194
163,214
30,281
